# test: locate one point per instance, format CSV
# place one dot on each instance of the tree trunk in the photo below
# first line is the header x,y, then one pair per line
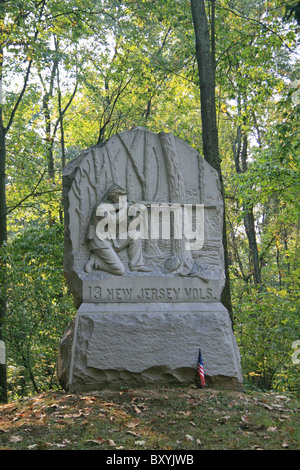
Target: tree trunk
x,y
3,238
207,85
206,70
50,160
249,222
251,235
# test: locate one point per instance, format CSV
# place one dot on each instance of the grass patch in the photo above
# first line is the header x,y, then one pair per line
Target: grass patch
x,y
154,419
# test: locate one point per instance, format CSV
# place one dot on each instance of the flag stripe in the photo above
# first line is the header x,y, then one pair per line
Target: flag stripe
x,y
200,369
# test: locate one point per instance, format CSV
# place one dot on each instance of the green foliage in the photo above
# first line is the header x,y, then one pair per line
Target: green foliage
x,y
39,308
266,325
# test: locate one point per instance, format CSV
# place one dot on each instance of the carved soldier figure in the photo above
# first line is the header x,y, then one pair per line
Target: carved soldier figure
x,y
104,251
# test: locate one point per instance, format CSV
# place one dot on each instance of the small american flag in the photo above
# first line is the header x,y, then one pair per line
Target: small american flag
x,y
200,370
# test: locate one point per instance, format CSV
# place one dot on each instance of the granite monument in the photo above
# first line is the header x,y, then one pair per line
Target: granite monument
x,y
144,261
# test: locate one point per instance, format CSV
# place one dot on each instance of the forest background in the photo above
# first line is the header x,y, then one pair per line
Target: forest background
x,y
72,74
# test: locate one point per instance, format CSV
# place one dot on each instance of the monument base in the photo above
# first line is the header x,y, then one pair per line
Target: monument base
x,y
138,344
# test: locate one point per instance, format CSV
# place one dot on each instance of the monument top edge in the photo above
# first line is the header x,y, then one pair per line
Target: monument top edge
x,y
71,165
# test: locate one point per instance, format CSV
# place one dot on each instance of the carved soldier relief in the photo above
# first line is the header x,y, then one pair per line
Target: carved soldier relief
x,y
143,205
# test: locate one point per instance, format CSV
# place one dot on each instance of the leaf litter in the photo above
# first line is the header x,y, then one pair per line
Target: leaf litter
x,y
167,418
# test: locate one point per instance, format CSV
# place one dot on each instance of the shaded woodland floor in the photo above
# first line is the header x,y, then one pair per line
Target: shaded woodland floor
x,y
166,418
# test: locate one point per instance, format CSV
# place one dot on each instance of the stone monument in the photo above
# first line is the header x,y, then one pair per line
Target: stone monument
x,y
144,261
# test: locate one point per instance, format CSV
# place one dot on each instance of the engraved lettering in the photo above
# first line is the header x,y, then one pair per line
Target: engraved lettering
x,y
154,294
188,292
127,293
124,294
201,294
161,293
176,291
97,295
169,293
195,293
147,293
118,294
110,294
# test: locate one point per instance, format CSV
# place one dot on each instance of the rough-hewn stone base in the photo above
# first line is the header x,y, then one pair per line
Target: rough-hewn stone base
x,y
113,345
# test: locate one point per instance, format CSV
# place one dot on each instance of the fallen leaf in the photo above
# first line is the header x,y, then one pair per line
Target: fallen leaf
x,y
282,397
54,405
223,418
43,419
96,441
140,443
119,413
136,409
72,415
136,434
66,441
184,413
284,444
16,438
133,424
91,398
112,442
270,408
190,438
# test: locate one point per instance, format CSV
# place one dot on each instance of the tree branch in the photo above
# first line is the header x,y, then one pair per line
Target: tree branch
x,y
253,20
6,129
65,109
261,257
28,196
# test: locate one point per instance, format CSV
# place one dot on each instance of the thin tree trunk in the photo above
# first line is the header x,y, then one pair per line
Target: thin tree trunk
x,y
206,69
48,139
251,235
249,221
3,238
